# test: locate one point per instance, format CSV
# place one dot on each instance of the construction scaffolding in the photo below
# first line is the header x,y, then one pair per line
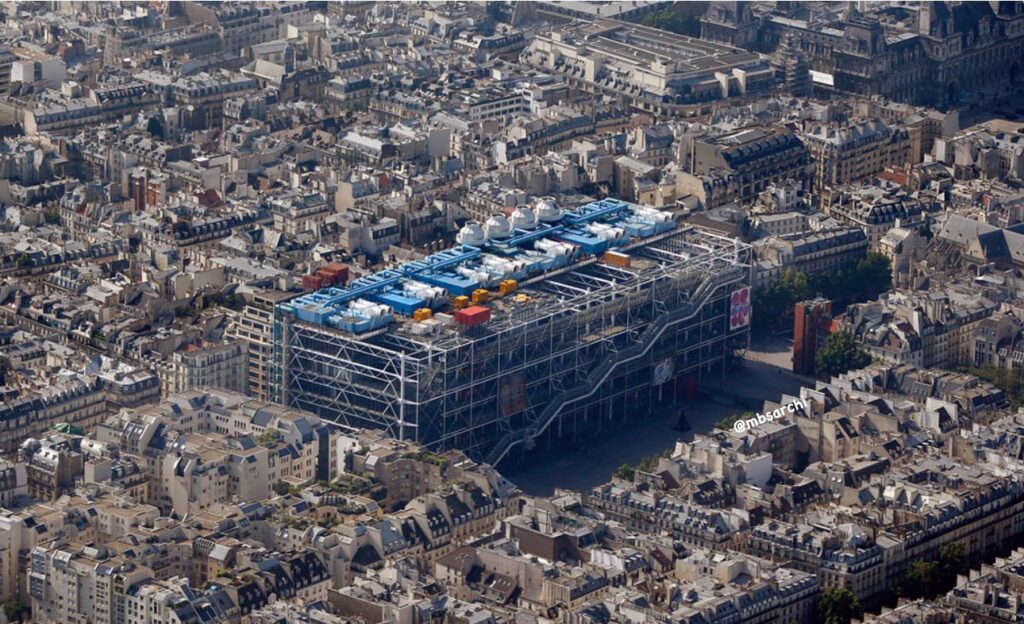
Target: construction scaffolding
x,y
579,342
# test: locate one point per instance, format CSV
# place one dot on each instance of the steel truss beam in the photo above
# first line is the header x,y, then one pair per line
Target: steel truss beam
x,y
480,389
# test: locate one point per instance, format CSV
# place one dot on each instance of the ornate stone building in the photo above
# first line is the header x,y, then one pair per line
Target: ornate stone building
x,y
939,54
849,152
649,69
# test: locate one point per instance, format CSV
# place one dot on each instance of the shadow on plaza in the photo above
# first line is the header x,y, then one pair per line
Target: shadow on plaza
x,y
591,456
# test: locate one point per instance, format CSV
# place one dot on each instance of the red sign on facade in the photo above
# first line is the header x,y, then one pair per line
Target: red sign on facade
x,y
740,309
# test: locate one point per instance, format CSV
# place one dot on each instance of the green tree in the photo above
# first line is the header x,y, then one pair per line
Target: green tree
x,y
646,464
671,19
797,285
918,580
952,561
269,438
839,354
155,127
839,605
650,463
726,423
1009,381
928,579
13,610
625,472
874,273
281,488
773,304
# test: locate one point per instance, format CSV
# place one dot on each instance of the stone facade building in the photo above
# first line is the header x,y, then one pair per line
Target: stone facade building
x,y
939,54
850,152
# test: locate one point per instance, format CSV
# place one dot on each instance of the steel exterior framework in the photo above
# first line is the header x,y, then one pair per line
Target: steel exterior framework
x,y
597,340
